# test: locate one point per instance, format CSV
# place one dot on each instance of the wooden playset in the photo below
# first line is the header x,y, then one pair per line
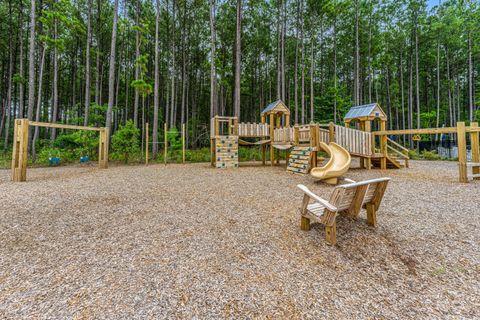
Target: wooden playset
x,y
20,145
303,142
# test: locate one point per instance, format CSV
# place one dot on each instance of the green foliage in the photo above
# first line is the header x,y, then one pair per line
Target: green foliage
x,y
125,141
174,140
430,155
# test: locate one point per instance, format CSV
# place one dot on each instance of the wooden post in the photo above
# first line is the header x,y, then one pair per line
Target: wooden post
x,y
146,143
383,145
272,130
287,120
475,148
368,128
331,131
165,145
20,149
183,143
462,152
296,135
103,149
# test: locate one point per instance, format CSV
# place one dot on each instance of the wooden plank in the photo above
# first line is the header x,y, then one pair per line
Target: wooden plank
x,y
416,131
62,126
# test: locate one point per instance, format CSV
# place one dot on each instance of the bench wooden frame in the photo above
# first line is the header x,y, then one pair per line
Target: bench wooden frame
x,y
345,199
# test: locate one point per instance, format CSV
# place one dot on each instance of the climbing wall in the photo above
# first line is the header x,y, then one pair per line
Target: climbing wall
x,y
299,161
226,152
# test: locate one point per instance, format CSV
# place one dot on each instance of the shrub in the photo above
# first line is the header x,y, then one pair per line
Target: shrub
x,y
430,155
125,141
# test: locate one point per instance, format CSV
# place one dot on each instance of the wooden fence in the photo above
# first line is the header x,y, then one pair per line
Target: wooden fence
x,y
284,135
253,129
355,141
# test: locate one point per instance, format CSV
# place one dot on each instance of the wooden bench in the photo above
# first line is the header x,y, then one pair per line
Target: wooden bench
x,y
345,199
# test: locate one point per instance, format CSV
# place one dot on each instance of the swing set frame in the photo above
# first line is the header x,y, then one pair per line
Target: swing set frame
x,y
20,145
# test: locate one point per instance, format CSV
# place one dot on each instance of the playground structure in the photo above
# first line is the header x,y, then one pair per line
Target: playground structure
x,y
20,145
303,142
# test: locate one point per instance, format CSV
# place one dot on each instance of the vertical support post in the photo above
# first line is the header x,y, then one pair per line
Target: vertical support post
x,y
475,148
183,143
296,135
331,131
462,152
146,143
103,149
287,120
165,143
383,145
272,130
20,149
368,128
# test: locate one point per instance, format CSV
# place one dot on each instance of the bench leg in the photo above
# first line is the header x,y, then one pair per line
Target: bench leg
x,y
331,234
305,224
371,214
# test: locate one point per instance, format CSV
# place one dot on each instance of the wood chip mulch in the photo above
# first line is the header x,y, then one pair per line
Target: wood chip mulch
x,y
190,241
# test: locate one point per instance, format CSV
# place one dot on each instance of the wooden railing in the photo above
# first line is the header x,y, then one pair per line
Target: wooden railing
x,y
355,141
253,129
284,135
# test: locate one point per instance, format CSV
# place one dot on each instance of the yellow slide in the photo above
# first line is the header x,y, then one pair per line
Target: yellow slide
x,y
336,166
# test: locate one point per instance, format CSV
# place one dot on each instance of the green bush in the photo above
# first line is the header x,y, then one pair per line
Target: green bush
x,y
125,141
430,155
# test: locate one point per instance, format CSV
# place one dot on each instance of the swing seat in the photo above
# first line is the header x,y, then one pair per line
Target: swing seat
x,y
54,161
84,159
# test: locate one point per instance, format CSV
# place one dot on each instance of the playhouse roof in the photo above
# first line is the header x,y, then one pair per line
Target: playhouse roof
x,y
371,111
276,106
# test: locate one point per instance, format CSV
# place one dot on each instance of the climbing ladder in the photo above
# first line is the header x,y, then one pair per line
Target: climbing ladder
x,y
299,160
226,152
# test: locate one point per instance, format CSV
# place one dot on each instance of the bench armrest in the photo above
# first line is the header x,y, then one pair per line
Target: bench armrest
x,y
313,196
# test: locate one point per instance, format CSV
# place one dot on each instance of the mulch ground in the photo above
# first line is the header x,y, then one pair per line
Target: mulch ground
x,y
190,241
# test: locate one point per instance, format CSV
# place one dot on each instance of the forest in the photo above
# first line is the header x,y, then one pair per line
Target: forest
x,y
122,64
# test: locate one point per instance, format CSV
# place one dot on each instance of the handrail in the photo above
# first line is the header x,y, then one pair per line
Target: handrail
x,y
397,144
401,155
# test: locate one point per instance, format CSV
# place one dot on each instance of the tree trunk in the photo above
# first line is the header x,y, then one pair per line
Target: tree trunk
x,y
213,75
312,66
111,73
39,102
302,62
31,64
53,132
21,71
417,78
238,59
137,67
87,64
470,79
10,79
156,84
357,58
295,94
172,36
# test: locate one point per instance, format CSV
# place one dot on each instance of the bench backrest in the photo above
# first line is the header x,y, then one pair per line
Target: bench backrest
x,y
351,197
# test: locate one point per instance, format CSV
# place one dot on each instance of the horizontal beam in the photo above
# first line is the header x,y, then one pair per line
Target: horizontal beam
x,y
62,126
416,131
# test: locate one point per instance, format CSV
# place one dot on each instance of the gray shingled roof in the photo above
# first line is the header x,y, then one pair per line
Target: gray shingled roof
x,y
271,106
360,111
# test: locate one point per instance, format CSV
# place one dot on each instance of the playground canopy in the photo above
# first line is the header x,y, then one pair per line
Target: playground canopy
x,y
365,112
276,107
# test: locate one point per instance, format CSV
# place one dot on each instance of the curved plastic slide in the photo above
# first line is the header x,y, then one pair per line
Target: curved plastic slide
x,y
337,165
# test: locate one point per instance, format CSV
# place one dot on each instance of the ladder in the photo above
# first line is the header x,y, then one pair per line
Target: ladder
x,y
299,160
